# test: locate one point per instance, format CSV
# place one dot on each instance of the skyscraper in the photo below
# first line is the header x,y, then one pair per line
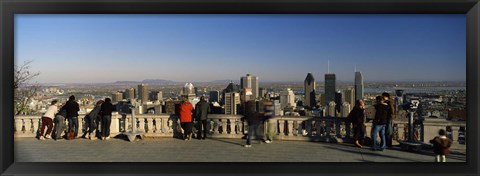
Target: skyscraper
x,y
330,87
232,100
358,86
345,110
309,86
214,96
338,100
250,81
287,98
349,96
143,93
129,94
117,96
156,95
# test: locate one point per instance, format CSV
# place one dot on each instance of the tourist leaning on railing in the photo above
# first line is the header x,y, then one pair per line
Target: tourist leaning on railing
x,y
106,112
202,109
72,109
47,120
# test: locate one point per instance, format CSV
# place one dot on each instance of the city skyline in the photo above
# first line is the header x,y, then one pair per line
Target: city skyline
x,y
202,48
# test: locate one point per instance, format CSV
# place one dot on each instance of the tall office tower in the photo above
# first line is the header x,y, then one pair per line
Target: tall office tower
x,y
338,100
262,92
309,87
331,109
246,94
155,95
330,87
188,91
129,94
143,93
117,96
349,96
232,100
277,108
250,81
287,98
196,91
214,96
345,110
358,86
229,89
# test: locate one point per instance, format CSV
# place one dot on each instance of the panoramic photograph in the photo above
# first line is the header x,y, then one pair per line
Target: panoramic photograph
x,y
240,88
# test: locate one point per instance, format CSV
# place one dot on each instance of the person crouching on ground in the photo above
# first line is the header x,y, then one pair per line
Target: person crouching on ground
x,y
441,145
47,120
186,120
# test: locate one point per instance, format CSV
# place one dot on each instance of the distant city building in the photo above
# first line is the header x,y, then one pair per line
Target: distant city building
x,y
277,108
330,87
338,100
345,110
331,111
358,86
309,86
349,96
129,93
262,92
188,91
214,96
117,96
143,93
287,98
232,87
232,102
246,94
250,81
156,95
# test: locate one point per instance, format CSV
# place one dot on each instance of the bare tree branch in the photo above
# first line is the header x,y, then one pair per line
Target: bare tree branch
x,y
24,93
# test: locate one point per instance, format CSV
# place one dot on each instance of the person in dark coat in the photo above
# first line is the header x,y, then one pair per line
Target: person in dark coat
x,y
379,123
106,113
91,121
72,109
441,145
253,120
202,109
357,117
390,116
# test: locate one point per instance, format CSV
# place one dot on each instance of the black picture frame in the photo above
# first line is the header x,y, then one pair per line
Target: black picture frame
x,y
8,8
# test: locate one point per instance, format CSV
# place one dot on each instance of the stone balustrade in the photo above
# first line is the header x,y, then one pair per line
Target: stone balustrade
x,y
302,128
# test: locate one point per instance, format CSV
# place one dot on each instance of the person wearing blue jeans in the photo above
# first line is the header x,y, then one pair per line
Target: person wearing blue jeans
x,y
378,129
73,125
379,123
72,108
106,113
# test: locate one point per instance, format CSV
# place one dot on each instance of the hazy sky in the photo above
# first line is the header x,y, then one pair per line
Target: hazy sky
x,y
108,48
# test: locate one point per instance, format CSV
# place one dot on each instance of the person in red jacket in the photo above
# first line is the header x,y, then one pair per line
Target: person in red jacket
x,y
186,120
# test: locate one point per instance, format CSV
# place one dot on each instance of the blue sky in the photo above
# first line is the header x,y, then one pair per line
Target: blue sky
x,y
108,48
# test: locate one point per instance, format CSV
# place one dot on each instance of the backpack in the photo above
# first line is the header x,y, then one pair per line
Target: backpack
x,y
70,135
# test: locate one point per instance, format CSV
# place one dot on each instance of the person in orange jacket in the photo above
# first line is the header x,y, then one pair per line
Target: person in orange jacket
x,y
186,120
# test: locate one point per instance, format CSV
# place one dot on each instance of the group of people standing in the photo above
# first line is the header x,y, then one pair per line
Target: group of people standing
x,y
382,123
383,127
187,115
100,116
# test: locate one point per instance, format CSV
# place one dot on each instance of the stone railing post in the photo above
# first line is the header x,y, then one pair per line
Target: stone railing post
x,y
141,124
115,125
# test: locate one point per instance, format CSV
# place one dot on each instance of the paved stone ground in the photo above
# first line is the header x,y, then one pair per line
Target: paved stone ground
x,y
210,150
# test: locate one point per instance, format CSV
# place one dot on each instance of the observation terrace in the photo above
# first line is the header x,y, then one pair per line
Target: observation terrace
x,y
297,139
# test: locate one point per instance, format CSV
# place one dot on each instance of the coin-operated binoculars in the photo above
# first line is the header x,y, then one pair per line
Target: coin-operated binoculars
x,y
410,144
134,133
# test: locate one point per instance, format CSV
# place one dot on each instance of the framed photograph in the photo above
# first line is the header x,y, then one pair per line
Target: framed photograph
x,y
239,87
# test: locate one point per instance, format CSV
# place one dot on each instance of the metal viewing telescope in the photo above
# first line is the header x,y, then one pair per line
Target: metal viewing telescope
x,y
410,143
134,133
